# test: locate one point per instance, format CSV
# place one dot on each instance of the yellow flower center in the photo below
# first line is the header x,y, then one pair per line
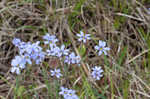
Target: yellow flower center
x,y
70,94
101,48
65,92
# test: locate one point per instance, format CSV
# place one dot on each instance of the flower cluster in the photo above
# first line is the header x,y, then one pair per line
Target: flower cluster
x,y
97,72
61,51
68,93
28,52
72,59
32,52
18,63
53,49
50,39
56,51
101,47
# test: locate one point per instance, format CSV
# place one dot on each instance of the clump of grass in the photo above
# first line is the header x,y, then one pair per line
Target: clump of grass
x,y
124,26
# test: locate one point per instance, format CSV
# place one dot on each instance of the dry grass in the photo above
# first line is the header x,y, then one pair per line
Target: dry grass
x,y
124,24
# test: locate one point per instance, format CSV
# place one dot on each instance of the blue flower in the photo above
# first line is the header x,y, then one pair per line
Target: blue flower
x,y
28,52
97,73
71,95
33,48
62,51
50,39
63,91
83,37
56,72
15,69
31,51
34,52
23,46
56,51
72,59
53,51
68,93
18,63
40,57
101,48
27,58
16,41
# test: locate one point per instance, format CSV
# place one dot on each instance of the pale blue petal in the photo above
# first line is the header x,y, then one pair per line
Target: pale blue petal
x,y
97,47
78,35
107,48
100,53
81,32
105,52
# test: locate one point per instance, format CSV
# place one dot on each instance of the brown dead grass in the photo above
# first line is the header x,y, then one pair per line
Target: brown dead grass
x,y
122,26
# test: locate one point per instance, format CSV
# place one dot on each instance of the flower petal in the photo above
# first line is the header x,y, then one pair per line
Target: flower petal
x,y
97,47
81,32
105,52
100,53
78,35
107,48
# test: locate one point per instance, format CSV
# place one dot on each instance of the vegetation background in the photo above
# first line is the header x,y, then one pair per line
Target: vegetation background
x,y
123,24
